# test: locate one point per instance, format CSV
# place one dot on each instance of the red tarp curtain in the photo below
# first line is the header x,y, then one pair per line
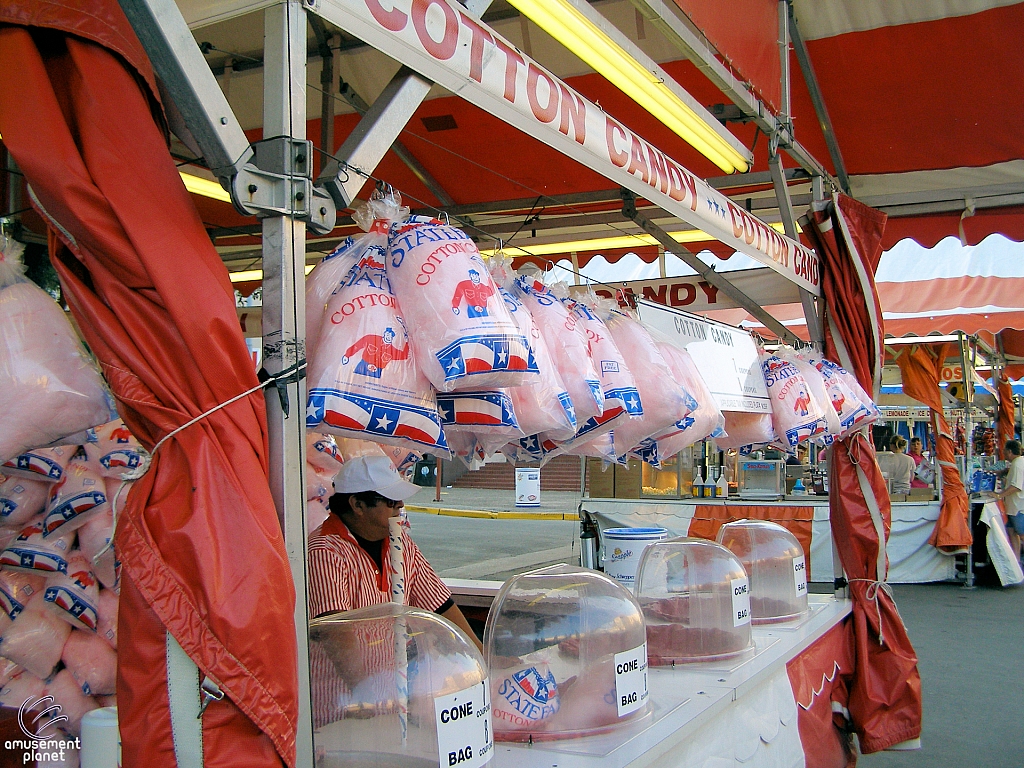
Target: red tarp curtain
x,y
1005,420
885,691
920,367
199,539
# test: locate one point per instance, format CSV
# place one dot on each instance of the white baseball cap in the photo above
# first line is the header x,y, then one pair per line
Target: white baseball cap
x,y
373,473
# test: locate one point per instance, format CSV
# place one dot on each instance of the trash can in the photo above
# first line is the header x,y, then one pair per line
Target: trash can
x,y
425,472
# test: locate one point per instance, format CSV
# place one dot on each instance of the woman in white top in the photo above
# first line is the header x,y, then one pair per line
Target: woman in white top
x,y
902,468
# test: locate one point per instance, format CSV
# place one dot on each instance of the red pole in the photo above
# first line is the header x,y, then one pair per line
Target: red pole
x,y
437,474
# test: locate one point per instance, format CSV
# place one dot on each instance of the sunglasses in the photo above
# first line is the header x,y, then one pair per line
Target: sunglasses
x,y
389,503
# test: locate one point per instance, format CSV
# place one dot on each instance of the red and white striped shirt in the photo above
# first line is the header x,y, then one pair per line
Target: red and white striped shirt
x,y
343,577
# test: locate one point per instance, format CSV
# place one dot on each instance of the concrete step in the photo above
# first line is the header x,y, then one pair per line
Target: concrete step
x,y
560,474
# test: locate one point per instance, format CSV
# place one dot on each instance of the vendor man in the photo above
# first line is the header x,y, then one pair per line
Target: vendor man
x,y
348,554
1013,494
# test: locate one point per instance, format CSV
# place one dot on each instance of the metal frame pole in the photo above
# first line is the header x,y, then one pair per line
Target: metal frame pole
x,y
965,362
284,323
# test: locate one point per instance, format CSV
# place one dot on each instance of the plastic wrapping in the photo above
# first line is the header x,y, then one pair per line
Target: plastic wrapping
x,y
16,589
91,662
819,391
32,553
776,565
35,640
19,688
848,398
95,540
373,708
695,597
704,419
666,401
797,415
74,704
566,650
363,379
567,345
49,386
621,398
113,450
107,612
44,464
74,596
80,496
21,499
746,430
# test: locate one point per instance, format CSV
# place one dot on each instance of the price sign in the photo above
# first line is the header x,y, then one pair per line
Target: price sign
x,y
740,601
800,575
631,680
464,734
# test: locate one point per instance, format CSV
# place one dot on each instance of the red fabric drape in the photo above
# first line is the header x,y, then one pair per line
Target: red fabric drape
x,y
1004,422
201,547
920,367
885,691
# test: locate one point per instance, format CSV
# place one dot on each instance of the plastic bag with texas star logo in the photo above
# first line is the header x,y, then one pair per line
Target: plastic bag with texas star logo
x,y
796,414
462,333
364,381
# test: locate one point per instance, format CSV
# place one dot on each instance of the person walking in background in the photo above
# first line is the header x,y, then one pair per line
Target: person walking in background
x,y
1012,494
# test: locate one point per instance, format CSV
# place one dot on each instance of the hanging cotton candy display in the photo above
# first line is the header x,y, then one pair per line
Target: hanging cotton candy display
x,y
463,336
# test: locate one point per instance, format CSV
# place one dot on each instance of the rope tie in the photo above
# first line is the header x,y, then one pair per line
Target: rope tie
x,y
871,593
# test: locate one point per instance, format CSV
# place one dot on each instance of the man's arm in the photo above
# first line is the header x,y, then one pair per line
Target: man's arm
x,y
456,617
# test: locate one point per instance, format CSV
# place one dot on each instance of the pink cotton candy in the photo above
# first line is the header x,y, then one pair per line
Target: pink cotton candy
x,y
36,638
703,420
44,464
363,379
485,414
665,399
847,397
8,671
95,539
463,335
567,346
543,405
743,429
107,628
49,386
21,499
322,452
16,589
20,688
32,553
92,663
112,450
621,398
325,278
74,596
75,500
796,414
819,391
316,512
73,703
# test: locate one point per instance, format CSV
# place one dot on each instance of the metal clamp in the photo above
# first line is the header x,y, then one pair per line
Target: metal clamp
x,y
208,691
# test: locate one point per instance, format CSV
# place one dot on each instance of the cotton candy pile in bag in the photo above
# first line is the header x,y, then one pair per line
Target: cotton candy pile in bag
x,y
16,589
363,380
76,499
36,638
328,275
568,347
107,627
845,393
463,335
621,398
21,499
96,542
74,704
19,688
746,430
49,386
31,552
796,414
819,391
113,450
486,415
74,596
43,464
665,399
91,662
702,421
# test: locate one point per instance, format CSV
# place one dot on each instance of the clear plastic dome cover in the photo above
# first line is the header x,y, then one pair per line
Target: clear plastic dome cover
x,y
775,563
695,597
397,687
567,655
